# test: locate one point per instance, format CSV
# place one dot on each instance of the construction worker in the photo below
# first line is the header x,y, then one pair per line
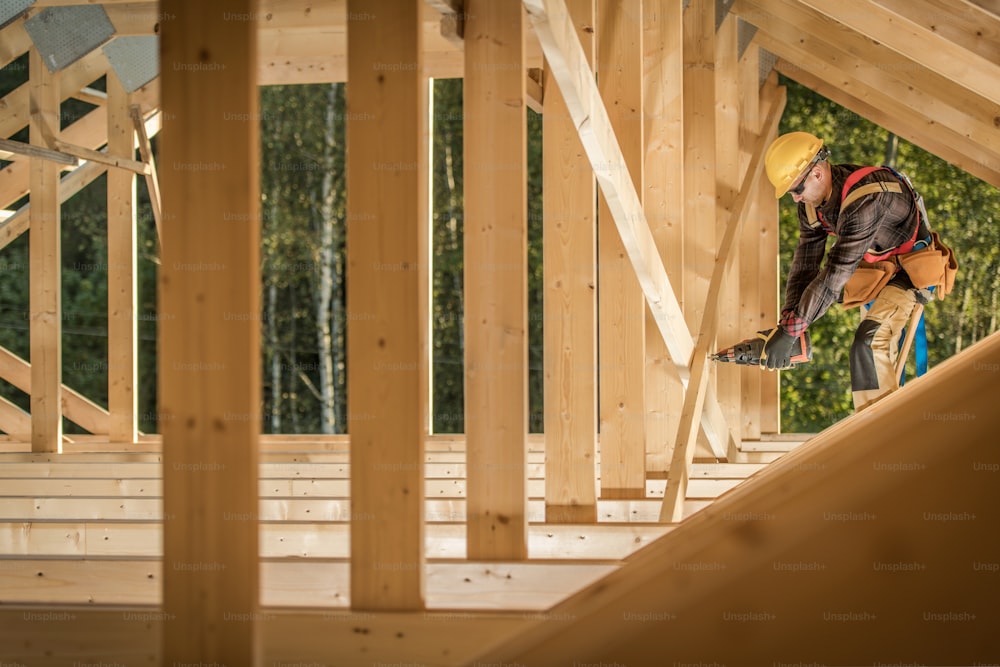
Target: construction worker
x,y
876,218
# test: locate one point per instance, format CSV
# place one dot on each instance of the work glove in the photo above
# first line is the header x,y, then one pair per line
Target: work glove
x,y
778,349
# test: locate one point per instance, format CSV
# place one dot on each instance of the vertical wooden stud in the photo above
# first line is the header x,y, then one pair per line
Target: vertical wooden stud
x,y
45,326
387,232
496,349
663,99
728,176
122,325
771,296
749,248
621,306
209,332
570,304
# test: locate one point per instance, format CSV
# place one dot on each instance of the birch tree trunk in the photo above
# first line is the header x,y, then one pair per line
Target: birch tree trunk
x,y
325,253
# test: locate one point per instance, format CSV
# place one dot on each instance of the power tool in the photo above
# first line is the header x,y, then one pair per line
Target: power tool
x,y
749,352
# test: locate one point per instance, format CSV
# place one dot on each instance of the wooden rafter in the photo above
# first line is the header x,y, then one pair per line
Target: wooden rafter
x,y
908,94
979,163
890,24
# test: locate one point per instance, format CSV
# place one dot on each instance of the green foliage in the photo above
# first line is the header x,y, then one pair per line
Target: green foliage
x,y
303,149
961,208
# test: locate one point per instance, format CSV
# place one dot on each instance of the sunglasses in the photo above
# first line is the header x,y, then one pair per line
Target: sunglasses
x,y
820,156
801,187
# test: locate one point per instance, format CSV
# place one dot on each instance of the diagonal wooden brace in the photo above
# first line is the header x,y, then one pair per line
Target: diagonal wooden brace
x,y
694,398
569,67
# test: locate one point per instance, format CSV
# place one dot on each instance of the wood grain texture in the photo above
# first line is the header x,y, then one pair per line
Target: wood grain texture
x,y
569,244
45,261
209,334
386,339
495,281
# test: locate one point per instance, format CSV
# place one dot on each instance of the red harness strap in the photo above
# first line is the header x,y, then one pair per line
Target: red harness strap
x,y
901,249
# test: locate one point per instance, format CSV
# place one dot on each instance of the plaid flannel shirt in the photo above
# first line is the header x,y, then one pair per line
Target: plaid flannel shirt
x,y
879,222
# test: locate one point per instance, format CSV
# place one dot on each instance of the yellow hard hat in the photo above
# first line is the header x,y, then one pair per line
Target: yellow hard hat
x,y
787,157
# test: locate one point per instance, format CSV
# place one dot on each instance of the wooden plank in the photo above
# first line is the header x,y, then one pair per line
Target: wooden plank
x,y
941,142
621,307
209,362
385,127
728,177
771,297
8,149
770,540
890,24
570,305
45,304
14,421
701,209
131,635
75,407
664,131
152,179
568,65
89,130
896,85
445,541
123,350
291,489
14,42
673,505
495,281
436,510
70,80
107,158
749,314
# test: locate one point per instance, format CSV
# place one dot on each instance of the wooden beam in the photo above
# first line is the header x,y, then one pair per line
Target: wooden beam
x,y
92,96
152,179
14,42
770,296
944,111
283,539
621,306
728,177
931,137
496,270
75,407
16,104
673,500
69,185
90,131
663,106
569,245
568,66
209,361
749,310
107,158
45,257
534,89
385,130
8,149
889,24
123,351
15,422
767,560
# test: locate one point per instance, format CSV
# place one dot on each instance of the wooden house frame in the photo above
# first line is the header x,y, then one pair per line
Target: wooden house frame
x,y
592,544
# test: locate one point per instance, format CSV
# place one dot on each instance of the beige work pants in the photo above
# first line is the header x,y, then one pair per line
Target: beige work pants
x,y
876,345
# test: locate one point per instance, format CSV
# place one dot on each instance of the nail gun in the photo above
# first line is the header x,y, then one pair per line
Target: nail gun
x,y
750,352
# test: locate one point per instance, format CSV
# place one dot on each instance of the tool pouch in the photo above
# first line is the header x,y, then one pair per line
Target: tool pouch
x,y
933,266
867,281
